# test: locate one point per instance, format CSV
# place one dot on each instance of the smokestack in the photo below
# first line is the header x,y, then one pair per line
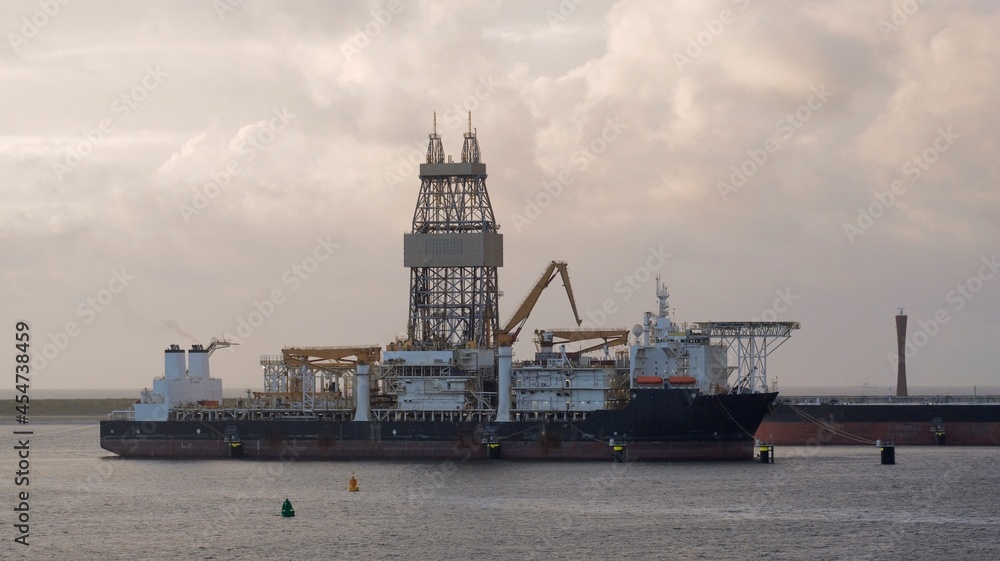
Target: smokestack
x,y
174,363
198,363
901,349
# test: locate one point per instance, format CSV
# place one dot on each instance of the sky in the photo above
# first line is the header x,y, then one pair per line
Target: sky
x,y
173,172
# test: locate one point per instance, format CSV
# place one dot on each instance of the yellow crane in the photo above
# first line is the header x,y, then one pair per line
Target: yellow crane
x,y
331,358
334,360
508,333
545,338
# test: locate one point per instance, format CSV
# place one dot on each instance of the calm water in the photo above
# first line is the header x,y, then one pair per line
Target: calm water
x,y
833,503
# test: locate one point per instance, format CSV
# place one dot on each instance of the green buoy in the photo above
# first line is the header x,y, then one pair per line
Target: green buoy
x,y
286,509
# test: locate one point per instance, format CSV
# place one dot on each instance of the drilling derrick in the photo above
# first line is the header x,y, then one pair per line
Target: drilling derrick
x,y
453,252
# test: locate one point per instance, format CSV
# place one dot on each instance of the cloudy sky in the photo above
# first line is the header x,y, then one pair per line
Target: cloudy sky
x,y
178,171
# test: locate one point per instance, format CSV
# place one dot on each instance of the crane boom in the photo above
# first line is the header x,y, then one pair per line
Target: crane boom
x,y
219,344
545,338
508,333
331,357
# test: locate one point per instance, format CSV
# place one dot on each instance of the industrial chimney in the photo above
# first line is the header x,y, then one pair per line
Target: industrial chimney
x,y
901,349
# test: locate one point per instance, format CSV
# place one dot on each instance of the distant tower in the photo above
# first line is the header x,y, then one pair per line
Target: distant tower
x,y
453,251
901,349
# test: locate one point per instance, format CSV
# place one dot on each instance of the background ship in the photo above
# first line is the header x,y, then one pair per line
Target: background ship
x,y
451,389
901,419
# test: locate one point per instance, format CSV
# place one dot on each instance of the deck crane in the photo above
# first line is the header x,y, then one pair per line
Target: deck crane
x,y
508,333
545,338
218,344
331,358
298,372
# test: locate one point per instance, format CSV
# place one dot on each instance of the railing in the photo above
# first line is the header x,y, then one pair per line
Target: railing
x,y
460,415
892,400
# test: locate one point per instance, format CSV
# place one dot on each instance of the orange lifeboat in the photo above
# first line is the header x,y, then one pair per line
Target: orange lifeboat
x,y
682,380
648,380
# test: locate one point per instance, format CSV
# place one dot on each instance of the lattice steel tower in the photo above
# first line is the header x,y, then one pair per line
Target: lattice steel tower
x,y
453,251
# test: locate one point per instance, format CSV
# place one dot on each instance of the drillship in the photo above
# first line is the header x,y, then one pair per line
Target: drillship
x,y
451,389
900,419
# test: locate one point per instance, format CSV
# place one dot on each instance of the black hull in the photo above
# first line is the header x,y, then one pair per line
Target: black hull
x,y
656,425
910,424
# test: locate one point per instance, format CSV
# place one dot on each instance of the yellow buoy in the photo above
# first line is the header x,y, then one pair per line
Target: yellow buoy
x,y
353,486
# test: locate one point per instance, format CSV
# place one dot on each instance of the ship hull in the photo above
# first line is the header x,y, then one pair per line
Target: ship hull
x,y
305,448
912,424
657,425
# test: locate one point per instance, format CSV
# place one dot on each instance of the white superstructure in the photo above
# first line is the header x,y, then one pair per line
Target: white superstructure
x,y
436,380
675,355
179,385
549,385
663,355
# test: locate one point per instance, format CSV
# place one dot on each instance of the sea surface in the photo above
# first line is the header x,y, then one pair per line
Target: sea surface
x,y
812,503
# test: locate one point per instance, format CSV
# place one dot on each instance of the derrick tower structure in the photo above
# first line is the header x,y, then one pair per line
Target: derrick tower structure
x,y
453,252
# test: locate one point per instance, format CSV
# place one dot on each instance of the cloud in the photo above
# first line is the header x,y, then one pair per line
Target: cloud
x,y
698,89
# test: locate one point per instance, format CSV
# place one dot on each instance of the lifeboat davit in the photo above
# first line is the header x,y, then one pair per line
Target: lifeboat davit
x,y
682,380
648,380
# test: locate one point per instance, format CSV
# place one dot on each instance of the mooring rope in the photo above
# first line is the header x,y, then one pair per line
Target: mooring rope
x,y
735,422
585,434
829,427
532,427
